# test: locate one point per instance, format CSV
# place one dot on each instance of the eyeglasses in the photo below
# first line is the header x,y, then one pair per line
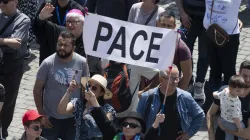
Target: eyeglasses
x,y
93,88
5,1
72,22
130,125
173,79
36,127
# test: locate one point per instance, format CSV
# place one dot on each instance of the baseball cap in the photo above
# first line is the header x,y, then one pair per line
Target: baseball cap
x,y
31,115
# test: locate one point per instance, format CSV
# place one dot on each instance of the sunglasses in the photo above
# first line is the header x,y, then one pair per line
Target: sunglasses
x,y
173,79
5,1
36,127
93,88
130,125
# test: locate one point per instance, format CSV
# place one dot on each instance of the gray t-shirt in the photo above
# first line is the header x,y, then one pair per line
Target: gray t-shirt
x,y
137,15
57,76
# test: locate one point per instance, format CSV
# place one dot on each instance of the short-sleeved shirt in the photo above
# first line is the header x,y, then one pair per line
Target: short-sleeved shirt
x,y
182,53
19,28
245,104
225,14
86,127
230,107
137,15
57,76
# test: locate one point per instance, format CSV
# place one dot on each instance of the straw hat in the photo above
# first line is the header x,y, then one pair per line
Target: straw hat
x,y
101,81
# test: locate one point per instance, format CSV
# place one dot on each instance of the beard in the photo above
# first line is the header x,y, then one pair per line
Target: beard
x,y
65,55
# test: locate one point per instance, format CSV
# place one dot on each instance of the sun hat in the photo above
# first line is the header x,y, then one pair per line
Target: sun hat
x,y
31,115
101,81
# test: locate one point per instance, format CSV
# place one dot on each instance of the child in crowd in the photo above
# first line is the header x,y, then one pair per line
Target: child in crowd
x,y
32,126
230,105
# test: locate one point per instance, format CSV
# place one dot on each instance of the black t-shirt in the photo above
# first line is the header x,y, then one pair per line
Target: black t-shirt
x,y
172,125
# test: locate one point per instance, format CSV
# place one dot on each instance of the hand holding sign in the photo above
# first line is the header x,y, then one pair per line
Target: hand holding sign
x,y
128,42
159,119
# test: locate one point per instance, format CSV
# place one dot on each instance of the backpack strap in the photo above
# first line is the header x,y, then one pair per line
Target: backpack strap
x,y
8,24
148,103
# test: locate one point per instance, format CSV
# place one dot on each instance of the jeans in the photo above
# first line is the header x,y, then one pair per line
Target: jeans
x,y
62,128
197,30
231,126
11,73
222,60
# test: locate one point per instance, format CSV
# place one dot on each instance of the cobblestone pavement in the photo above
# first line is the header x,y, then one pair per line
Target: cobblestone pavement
x,y
25,99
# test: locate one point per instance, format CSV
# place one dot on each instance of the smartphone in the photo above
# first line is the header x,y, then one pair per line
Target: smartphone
x,y
48,1
87,87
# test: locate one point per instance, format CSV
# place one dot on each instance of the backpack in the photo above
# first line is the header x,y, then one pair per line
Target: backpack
x,y
117,76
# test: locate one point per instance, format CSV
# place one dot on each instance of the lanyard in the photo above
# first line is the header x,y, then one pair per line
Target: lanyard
x,y
58,17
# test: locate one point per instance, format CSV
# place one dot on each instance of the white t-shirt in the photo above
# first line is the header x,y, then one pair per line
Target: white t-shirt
x,y
230,107
225,14
137,15
135,77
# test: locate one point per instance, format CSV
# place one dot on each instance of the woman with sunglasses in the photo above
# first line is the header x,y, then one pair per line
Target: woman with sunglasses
x,y
86,128
131,126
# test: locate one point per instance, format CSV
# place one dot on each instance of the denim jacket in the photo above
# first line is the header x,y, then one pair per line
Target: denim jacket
x,y
86,128
190,112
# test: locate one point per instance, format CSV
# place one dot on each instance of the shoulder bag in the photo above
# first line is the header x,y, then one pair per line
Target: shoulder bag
x,y
151,15
217,34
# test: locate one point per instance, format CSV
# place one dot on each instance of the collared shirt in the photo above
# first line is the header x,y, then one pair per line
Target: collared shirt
x,y
191,113
19,28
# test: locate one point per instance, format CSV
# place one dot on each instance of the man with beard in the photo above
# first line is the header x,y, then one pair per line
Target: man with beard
x,y
74,24
53,78
245,104
62,7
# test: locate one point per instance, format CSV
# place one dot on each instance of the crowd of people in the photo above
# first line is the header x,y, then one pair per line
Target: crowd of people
x,y
84,97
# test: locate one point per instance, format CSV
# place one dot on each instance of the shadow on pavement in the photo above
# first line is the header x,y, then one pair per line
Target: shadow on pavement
x,y
34,47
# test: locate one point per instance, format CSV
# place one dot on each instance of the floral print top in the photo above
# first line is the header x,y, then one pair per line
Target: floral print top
x,y
29,8
86,128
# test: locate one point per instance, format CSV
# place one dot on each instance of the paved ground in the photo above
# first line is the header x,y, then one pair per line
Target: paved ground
x,y
25,99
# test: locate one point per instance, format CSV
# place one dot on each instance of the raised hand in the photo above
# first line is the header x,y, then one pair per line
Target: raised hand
x,y
46,11
159,119
72,86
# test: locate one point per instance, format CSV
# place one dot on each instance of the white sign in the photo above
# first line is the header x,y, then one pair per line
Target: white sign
x,y
128,42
